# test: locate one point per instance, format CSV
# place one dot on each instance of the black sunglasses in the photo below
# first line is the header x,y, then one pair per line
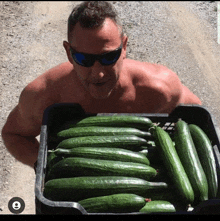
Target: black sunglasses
x,y
88,60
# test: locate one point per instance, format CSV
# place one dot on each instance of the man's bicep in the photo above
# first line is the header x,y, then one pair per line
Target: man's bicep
x,y
180,93
22,120
172,90
21,124
189,97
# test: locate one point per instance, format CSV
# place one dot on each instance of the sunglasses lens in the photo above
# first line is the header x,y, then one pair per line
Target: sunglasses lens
x,y
83,60
111,58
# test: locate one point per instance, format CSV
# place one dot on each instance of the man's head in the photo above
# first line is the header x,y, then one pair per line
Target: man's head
x,y
94,28
92,14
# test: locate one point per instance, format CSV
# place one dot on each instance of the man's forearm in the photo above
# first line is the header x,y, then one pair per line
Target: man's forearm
x,y
189,97
24,149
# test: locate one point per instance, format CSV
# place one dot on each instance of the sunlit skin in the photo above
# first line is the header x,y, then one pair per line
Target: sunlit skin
x,y
126,86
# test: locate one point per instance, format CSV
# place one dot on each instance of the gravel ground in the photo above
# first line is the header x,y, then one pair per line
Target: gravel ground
x,y
179,35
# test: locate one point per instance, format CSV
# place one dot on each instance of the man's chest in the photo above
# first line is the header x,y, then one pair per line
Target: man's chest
x,y
129,103
132,99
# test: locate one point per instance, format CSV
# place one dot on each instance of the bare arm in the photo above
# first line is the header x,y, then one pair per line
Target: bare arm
x,y
174,92
24,149
24,122
188,97
23,125
22,145
184,96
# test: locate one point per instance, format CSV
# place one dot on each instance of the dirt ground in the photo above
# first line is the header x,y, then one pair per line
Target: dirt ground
x,y
180,35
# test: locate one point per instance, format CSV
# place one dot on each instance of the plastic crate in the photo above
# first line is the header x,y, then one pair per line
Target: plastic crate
x,y
60,115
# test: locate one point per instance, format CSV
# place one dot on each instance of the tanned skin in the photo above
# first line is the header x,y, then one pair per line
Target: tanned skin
x,y
128,86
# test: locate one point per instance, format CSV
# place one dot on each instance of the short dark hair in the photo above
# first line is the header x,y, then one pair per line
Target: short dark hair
x,y
92,14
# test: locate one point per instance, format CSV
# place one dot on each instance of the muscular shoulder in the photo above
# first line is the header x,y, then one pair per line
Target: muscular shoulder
x,y
44,90
144,72
52,76
156,82
26,117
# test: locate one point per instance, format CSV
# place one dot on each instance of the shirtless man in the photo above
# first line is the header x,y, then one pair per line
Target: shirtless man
x,y
111,84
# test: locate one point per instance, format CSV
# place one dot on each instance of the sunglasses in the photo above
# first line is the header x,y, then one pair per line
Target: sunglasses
x,y
88,60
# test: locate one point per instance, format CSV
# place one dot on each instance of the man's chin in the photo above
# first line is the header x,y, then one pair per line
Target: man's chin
x,y
100,92
101,95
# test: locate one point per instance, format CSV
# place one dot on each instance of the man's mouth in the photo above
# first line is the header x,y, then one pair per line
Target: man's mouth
x,y
99,83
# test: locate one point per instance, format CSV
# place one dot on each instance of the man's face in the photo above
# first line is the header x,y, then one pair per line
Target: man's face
x,y
98,80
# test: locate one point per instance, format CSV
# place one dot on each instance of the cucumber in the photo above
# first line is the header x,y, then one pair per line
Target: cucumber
x,y
169,194
190,160
52,159
117,121
102,131
116,154
121,141
173,164
79,188
158,206
206,156
77,166
144,152
115,203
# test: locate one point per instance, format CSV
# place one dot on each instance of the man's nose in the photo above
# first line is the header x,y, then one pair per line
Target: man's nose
x,y
97,70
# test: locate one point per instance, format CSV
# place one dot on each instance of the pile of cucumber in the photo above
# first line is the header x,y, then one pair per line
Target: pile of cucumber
x,y
125,164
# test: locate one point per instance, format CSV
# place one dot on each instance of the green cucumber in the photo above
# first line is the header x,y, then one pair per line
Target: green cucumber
x,y
170,194
52,159
79,188
116,154
158,206
102,131
115,203
190,160
121,141
206,156
117,120
77,166
144,152
173,164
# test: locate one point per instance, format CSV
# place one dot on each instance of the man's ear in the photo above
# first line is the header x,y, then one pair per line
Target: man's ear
x,y
67,48
125,41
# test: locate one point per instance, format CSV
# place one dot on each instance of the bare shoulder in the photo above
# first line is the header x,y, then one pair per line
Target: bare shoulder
x,y
26,117
44,90
53,75
159,85
152,75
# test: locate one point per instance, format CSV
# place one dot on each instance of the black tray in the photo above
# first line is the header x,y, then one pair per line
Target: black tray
x,y
59,115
